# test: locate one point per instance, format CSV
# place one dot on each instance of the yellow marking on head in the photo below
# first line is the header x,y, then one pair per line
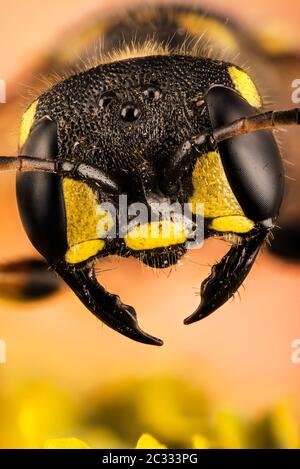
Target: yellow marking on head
x,y
212,189
83,251
156,235
86,221
27,122
236,224
245,86
213,29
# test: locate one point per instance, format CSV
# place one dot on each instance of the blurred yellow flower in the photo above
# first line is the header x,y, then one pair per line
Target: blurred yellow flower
x,y
229,431
117,415
200,442
147,441
65,443
33,413
284,427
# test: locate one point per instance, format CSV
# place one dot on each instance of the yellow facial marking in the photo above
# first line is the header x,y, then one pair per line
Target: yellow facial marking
x,y
83,251
213,29
86,221
27,122
156,235
245,86
236,224
212,189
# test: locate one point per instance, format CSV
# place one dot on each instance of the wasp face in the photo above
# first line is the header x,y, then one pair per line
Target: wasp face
x,y
128,120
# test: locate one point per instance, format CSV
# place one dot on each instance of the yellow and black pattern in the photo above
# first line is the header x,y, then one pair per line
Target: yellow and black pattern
x,y
149,81
146,32
87,222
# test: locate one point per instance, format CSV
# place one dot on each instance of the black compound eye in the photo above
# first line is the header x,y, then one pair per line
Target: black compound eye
x,y
107,98
252,162
152,92
40,195
130,112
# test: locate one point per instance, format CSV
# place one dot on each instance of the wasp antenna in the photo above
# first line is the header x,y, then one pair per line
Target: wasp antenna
x,y
80,171
181,159
245,125
26,163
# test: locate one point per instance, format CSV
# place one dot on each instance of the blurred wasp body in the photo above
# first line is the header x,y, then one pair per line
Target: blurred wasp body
x,y
161,120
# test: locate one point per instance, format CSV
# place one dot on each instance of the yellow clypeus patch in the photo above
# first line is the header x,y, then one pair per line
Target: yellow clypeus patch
x,y
27,122
213,29
236,224
212,189
155,235
86,221
245,86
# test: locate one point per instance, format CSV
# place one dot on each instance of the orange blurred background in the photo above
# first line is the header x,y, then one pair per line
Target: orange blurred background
x,y
241,354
